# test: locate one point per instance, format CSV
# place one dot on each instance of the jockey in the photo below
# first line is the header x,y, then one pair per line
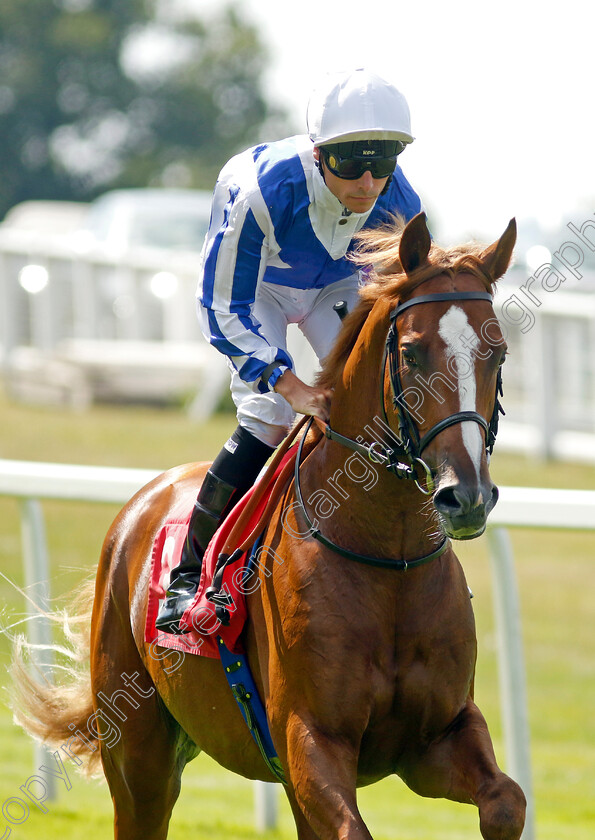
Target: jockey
x,y
283,219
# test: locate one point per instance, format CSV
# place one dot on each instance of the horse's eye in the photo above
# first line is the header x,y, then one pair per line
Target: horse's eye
x,y
408,357
502,359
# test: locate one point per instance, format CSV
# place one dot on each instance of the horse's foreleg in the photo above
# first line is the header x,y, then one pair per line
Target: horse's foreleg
x,y
322,772
461,766
303,827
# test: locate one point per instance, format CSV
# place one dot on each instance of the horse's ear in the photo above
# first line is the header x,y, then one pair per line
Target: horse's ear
x,y
496,258
415,244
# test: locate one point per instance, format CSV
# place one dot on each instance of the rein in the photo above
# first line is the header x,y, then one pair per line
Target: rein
x,y
231,551
410,442
385,563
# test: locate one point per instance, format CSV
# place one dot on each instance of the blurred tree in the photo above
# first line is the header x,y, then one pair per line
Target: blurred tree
x,y
96,94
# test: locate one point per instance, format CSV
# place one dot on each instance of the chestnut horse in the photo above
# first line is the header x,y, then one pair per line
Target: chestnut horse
x,y
365,662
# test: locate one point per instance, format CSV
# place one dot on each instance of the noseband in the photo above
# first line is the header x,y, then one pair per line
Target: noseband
x,y
411,444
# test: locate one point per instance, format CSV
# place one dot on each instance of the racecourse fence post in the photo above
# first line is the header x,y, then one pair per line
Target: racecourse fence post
x,y
545,402
266,805
511,669
37,587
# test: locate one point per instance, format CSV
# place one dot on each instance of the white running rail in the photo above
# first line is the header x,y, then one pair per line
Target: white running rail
x,y
518,507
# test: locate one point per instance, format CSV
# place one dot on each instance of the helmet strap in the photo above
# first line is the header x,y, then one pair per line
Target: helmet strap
x,y
386,187
319,165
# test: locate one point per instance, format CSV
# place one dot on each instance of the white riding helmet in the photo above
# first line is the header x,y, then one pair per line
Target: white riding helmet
x,y
357,105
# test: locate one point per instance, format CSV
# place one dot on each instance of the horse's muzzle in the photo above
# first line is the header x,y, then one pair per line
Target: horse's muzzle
x,y
463,511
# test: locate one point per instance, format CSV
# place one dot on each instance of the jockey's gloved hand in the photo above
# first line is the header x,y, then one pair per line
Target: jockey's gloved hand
x,y
304,399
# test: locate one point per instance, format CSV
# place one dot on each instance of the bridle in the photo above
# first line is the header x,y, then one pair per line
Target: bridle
x,y
405,459
411,442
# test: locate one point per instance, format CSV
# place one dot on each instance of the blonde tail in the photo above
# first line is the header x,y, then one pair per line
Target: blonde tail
x,y
58,714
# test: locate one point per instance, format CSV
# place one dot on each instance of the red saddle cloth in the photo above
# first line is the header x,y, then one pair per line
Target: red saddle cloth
x,y
167,549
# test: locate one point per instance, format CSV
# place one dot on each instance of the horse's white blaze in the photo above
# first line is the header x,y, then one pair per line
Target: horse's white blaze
x,y
461,343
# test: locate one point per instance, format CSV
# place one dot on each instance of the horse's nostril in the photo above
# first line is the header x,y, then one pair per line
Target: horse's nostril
x,y
447,500
453,500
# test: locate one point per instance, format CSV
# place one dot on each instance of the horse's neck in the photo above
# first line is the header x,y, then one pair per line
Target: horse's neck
x,y
379,513
361,506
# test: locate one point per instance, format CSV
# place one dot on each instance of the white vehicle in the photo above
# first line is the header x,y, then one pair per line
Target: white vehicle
x,y
54,218
149,218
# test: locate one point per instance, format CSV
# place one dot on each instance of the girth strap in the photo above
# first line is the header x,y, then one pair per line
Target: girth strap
x,y
245,692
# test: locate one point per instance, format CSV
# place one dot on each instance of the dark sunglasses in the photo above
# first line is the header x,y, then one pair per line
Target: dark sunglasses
x,y
352,168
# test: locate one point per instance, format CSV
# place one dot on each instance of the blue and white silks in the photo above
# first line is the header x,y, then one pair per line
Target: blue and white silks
x,y
274,220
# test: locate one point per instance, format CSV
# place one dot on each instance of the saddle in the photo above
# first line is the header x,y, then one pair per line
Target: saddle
x,y
230,565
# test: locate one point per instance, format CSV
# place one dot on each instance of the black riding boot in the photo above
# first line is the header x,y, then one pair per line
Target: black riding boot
x,y
233,472
214,497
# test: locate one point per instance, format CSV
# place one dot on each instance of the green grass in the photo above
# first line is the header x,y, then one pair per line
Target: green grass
x,y
556,577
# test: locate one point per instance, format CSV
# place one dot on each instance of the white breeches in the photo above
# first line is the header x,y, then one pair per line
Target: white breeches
x,y
269,416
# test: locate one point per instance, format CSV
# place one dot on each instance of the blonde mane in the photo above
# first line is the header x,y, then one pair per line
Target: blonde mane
x,y
378,248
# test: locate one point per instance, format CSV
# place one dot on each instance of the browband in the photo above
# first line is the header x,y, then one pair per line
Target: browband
x,y
439,296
